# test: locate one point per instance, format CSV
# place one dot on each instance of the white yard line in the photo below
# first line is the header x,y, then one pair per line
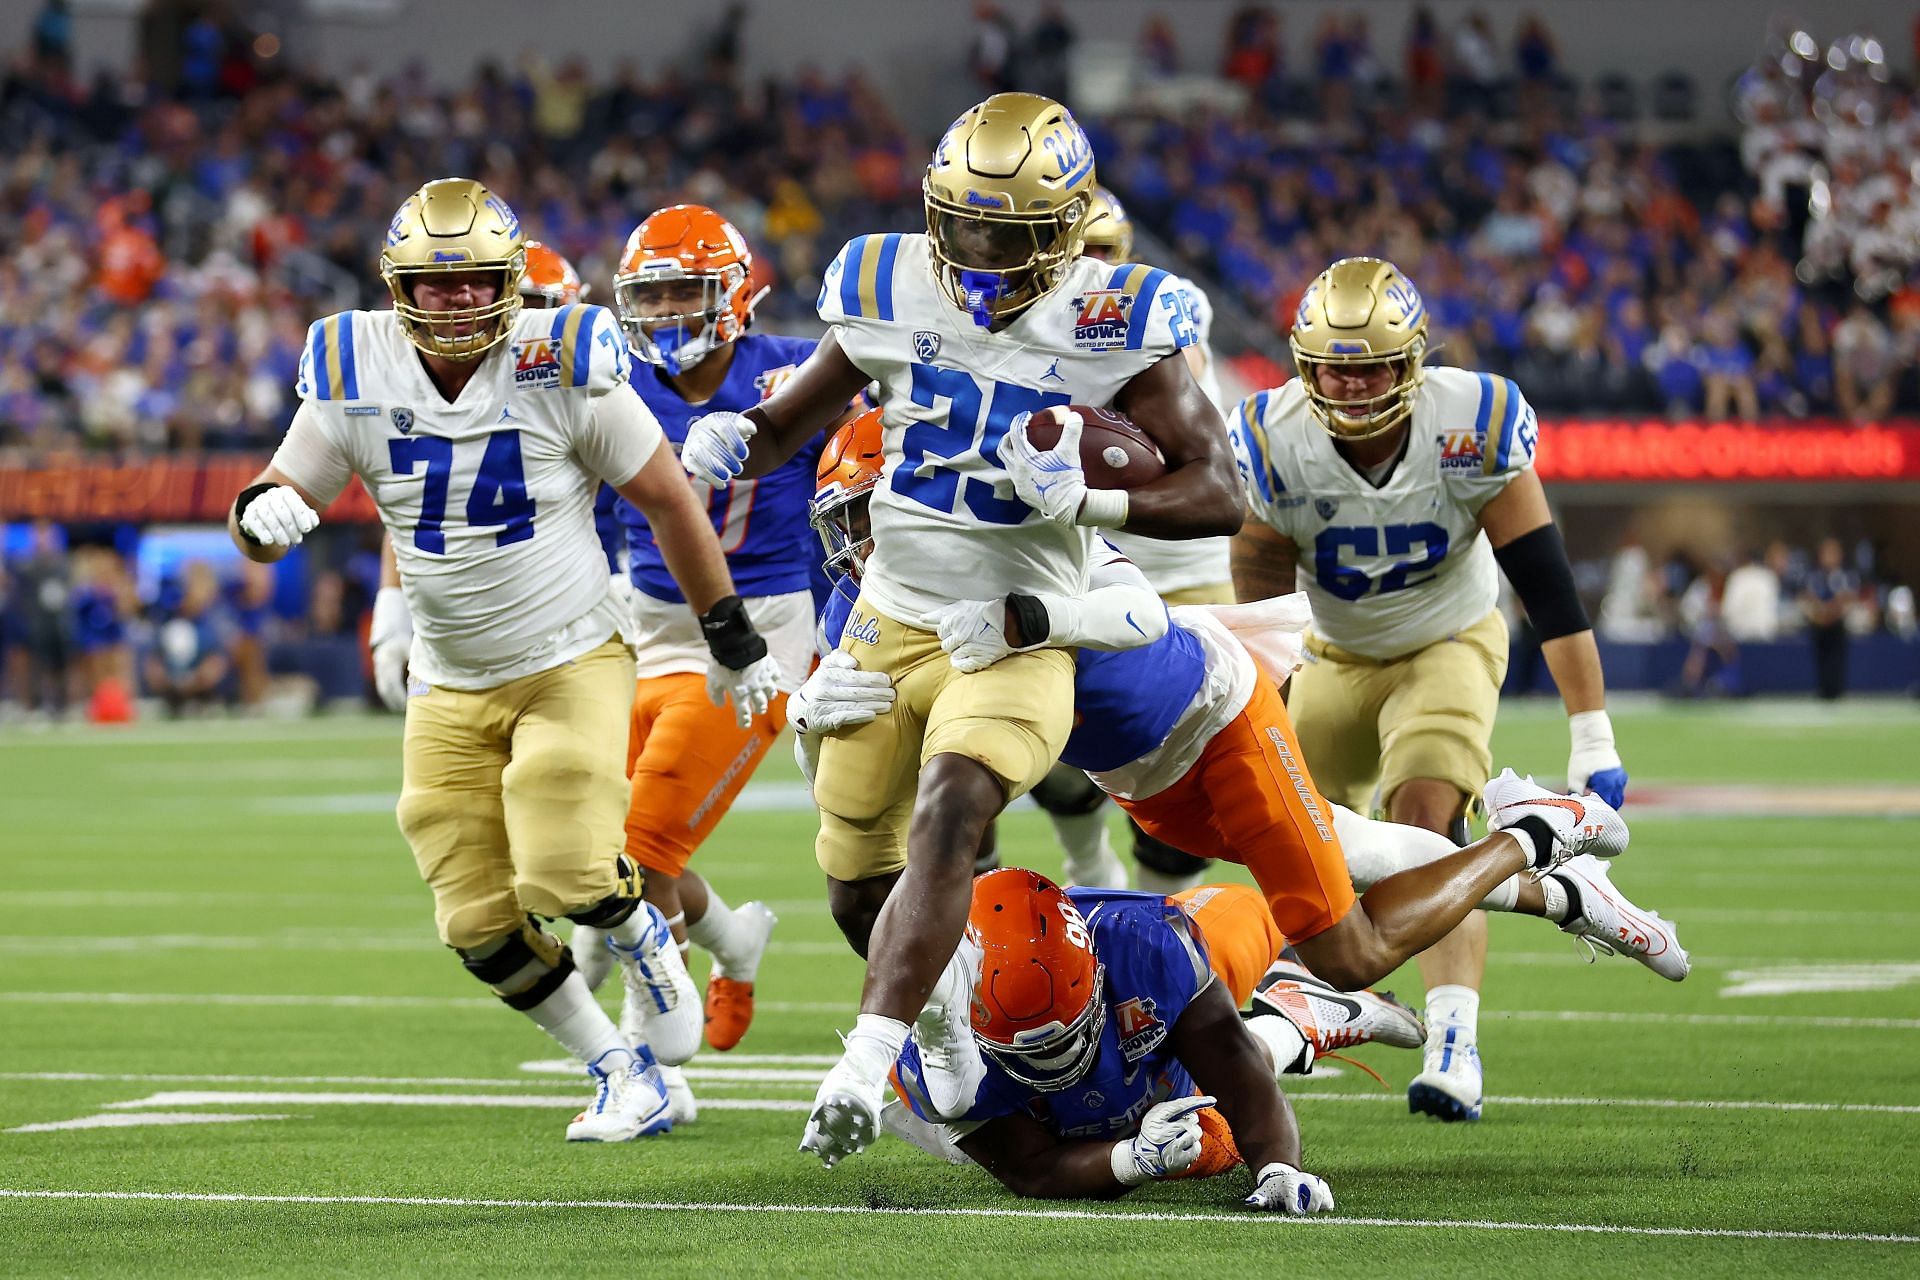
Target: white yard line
x,y
294,1098
847,1008
139,1119
1116,1216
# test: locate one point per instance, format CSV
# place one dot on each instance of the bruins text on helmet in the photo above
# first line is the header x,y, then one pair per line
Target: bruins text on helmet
x,y
1008,193
454,225
1361,313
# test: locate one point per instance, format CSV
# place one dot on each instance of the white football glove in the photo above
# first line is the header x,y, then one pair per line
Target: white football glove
x,y
1594,763
389,639
974,633
751,687
1168,1142
839,695
716,447
1051,481
1281,1188
280,517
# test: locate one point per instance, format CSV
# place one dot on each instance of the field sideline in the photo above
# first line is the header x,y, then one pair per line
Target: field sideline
x,y
231,1045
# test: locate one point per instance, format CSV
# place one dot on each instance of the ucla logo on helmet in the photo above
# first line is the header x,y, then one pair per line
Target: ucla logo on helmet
x,y
506,215
403,420
1071,151
1403,295
926,345
397,229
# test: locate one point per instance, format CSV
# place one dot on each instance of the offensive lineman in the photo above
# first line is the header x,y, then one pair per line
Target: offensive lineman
x,y
991,314
1402,487
480,431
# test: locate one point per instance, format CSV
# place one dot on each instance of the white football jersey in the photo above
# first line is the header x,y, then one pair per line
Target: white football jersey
x,y
1396,568
1190,562
947,525
489,500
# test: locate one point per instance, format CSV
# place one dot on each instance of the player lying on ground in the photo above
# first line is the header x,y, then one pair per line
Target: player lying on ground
x,y
1189,735
991,314
481,431
1116,1052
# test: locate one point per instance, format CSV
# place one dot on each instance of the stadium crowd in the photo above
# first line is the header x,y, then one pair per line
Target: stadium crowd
x,y
163,245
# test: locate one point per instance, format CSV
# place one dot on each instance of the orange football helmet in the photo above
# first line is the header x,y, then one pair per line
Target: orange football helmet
x,y
1040,1006
684,286
849,470
550,280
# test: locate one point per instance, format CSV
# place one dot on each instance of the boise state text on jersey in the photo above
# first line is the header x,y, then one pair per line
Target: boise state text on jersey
x,y
762,523
1156,963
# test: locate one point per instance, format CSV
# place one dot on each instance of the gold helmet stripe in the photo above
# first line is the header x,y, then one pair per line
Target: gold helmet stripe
x,y
576,357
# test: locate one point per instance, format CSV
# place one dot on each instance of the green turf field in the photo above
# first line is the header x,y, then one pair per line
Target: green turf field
x,y
220,920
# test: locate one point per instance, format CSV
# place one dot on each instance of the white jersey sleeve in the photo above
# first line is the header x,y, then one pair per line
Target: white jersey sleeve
x,y
311,458
620,436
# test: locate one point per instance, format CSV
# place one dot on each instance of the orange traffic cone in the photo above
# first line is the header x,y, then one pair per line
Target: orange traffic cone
x,y
110,703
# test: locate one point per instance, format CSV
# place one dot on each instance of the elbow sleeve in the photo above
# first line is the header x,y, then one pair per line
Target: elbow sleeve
x,y
1536,564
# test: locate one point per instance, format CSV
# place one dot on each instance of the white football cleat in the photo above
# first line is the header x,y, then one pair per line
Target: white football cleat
x,y
846,1115
629,1101
1580,824
590,954
951,1066
1450,1086
1616,926
680,1100
1331,1019
662,1007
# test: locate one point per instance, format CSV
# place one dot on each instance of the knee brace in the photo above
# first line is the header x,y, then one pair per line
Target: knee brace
x,y
1157,855
1066,792
613,910
523,968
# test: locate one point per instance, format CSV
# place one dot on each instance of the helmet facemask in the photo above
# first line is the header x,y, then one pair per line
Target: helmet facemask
x,y
994,266
1364,417
677,339
439,332
840,517
1057,1055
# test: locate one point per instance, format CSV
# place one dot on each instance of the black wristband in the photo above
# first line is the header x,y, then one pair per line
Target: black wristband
x,y
1030,620
731,638
240,504
1536,564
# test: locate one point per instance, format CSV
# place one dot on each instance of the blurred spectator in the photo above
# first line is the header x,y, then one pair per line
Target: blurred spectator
x,y
1254,55
1824,599
1425,67
43,590
103,601
1049,51
250,606
1750,604
992,58
188,661
1712,665
1865,373
1159,49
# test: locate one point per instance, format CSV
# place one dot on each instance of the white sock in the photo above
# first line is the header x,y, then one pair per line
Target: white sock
x,y
1453,1006
1555,892
1084,838
874,1043
630,932
573,1017
713,933
1505,896
1292,1053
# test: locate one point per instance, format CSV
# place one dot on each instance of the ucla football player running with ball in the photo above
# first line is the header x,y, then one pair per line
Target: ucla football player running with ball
x,y
481,431
1402,487
990,315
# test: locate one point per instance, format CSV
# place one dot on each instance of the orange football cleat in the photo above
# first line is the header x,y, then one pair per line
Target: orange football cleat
x,y
729,1011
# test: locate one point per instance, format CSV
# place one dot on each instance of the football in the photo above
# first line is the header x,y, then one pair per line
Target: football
x,y
1115,453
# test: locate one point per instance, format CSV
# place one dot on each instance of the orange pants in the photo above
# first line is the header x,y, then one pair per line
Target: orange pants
x,y
687,760
1242,939
1249,799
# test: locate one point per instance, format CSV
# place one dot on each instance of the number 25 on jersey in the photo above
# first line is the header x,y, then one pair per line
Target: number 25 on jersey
x,y
498,496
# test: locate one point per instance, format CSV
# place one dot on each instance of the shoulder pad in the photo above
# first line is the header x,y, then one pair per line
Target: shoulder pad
x,y
1504,427
1159,311
328,368
858,284
586,344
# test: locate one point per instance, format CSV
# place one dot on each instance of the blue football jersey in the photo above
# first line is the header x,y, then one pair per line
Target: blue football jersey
x,y
1156,964
762,523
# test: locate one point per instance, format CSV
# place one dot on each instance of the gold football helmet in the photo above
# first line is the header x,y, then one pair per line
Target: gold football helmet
x,y
1109,233
454,225
1361,312
1007,194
